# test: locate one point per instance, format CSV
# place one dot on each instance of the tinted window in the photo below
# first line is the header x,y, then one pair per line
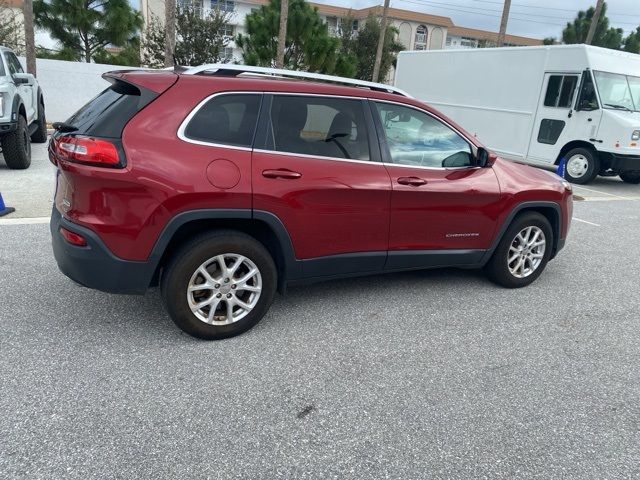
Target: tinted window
x,y
326,127
107,114
226,119
415,138
13,63
560,90
2,72
550,131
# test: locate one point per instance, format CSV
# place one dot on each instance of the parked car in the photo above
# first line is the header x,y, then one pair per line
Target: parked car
x,y
22,118
222,186
539,105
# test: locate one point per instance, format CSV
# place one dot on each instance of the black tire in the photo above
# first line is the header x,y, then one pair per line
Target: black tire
x,y
631,177
16,146
498,267
183,265
592,161
40,135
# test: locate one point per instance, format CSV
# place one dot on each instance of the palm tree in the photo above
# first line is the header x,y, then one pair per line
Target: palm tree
x,y
282,35
29,36
170,31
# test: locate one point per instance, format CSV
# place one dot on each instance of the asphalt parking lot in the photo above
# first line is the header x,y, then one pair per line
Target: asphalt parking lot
x,y
435,374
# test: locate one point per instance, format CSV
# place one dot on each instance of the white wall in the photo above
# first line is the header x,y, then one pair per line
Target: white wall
x,y
67,86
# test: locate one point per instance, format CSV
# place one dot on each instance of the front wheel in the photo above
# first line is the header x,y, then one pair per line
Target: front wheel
x,y
581,165
631,177
16,146
219,285
523,252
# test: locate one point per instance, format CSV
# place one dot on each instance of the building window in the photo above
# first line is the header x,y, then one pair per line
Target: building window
x,y
227,30
226,54
355,26
468,42
421,38
224,5
332,26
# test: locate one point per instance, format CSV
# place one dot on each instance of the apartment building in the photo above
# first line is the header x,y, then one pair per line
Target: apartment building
x,y
416,30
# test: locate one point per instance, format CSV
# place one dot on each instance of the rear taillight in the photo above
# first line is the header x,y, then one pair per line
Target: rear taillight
x,y
82,149
73,238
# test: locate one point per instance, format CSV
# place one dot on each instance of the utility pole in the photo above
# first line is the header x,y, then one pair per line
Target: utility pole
x,y
29,36
594,22
169,32
503,22
282,34
383,34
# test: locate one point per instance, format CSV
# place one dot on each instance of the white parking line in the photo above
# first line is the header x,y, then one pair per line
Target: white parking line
x,y
24,221
584,221
600,192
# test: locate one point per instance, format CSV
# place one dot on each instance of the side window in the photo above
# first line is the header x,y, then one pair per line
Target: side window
x,y
14,64
321,126
226,119
415,138
560,90
587,99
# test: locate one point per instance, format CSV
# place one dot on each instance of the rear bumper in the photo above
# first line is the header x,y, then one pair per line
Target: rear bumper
x,y
94,266
8,127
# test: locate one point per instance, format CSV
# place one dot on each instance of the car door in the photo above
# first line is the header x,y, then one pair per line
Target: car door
x,y
557,122
443,208
24,90
319,172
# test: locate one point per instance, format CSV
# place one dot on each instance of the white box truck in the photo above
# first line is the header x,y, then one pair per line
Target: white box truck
x,y
538,105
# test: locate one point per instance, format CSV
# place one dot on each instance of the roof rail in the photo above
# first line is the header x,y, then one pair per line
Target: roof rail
x,y
227,69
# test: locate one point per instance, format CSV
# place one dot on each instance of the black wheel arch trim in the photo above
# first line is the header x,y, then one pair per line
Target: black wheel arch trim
x,y
15,107
557,243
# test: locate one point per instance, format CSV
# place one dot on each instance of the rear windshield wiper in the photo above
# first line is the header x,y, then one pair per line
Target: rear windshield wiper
x,y
64,127
618,107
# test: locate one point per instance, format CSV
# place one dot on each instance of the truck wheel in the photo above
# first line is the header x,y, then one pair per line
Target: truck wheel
x,y
219,285
582,165
523,251
40,135
631,177
16,146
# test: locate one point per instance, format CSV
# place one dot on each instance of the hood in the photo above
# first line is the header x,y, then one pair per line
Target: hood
x,y
623,118
516,177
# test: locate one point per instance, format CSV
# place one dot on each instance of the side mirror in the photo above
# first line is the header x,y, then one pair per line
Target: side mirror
x,y
22,79
484,158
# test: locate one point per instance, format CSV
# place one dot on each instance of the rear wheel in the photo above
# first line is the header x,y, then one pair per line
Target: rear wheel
x,y
16,146
219,285
523,252
581,165
40,135
630,177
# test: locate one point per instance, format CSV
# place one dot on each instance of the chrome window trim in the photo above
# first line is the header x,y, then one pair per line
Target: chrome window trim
x,y
196,109
472,147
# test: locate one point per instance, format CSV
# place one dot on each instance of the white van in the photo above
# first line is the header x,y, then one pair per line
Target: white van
x,y
538,105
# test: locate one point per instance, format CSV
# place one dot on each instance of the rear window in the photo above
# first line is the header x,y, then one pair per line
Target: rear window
x,y
108,113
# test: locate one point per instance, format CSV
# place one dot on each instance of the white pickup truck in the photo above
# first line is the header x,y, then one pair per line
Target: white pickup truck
x,y
22,118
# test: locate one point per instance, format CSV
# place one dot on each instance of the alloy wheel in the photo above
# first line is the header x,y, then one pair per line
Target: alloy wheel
x,y
224,289
526,252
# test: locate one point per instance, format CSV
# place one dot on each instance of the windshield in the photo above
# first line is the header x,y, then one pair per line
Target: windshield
x,y
619,92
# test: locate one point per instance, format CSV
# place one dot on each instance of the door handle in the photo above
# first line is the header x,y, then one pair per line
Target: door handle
x,y
413,181
281,173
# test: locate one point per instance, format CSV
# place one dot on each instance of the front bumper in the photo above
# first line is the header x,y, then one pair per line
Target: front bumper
x,y
623,163
7,127
94,266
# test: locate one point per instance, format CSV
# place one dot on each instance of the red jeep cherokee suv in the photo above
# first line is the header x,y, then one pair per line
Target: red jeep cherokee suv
x,y
221,185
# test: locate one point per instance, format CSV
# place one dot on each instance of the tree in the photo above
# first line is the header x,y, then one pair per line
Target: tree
x,y
199,39
29,36
605,36
153,44
169,32
549,41
308,46
360,45
381,39
86,27
632,42
10,28
282,32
